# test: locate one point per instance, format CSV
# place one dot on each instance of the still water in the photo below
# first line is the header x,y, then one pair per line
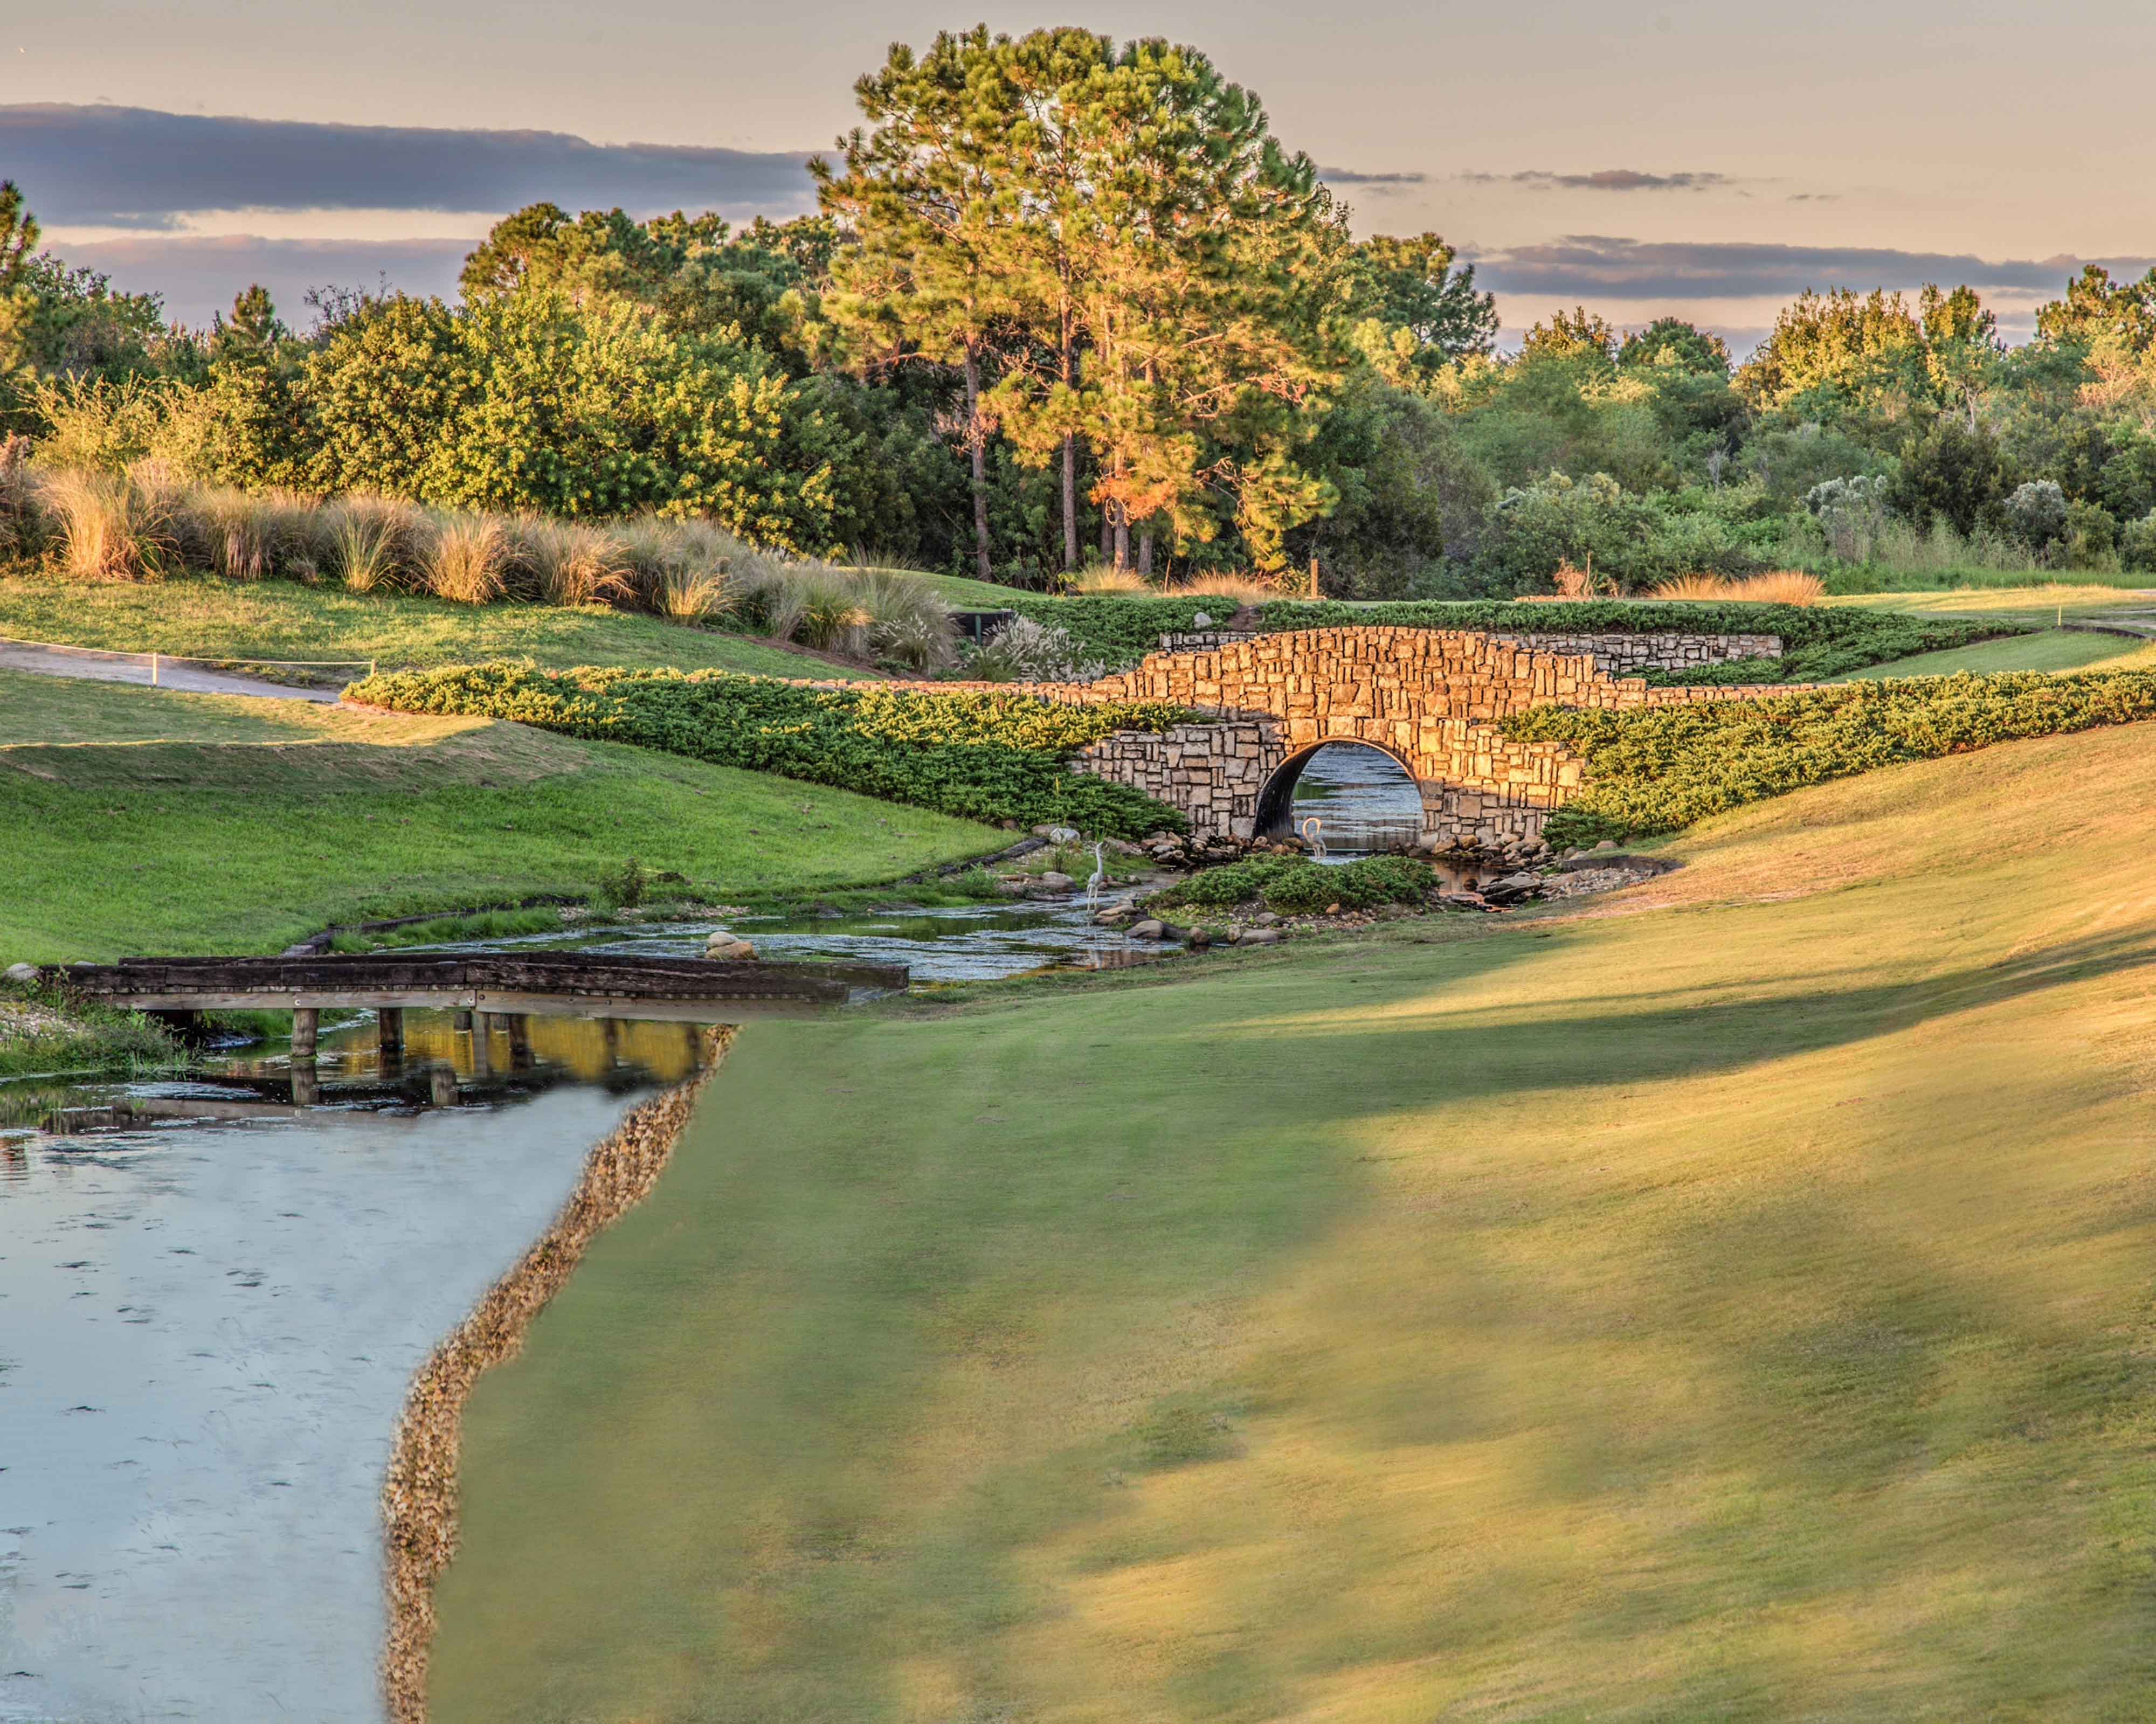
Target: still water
x,y
211,1302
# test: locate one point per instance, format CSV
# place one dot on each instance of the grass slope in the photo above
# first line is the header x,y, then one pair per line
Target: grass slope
x,y
2054,649
138,820
1727,1300
276,619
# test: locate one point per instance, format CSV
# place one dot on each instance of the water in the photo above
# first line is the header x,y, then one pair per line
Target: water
x,y
967,943
1363,799
211,1303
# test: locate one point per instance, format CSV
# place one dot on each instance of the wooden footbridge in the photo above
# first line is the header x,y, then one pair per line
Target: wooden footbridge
x,y
511,985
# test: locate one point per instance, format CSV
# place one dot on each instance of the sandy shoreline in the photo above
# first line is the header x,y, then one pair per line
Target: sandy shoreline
x,y
419,1492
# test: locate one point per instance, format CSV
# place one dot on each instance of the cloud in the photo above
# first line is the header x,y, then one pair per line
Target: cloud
x,y
1605,179
1352,177
199,276
138,168
1588,266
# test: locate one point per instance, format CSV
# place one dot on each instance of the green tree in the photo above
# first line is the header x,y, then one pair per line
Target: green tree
x,y
1411,285
1214,273
1670,344
1576,334
930,197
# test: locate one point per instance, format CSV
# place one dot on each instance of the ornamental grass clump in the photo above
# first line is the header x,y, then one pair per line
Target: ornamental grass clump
x,y
470,559
377,544
113,526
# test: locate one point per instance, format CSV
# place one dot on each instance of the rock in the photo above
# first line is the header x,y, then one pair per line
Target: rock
x,y
1606,843
1266,919
1333,909
1152,928
1260,936
1198,939
1054,881
730,951
1511,889
1201,621
21,972
1598,858
1122,847
1114,913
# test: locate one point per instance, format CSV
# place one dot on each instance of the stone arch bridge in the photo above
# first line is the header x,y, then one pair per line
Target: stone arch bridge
x,y
1428,698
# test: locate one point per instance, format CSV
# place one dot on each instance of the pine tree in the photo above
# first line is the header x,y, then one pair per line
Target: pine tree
x,y
932,197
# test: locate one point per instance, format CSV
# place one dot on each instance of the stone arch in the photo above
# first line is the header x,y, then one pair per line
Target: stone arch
x,y
1275,805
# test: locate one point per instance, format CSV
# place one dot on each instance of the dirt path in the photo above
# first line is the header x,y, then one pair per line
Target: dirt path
x,y
97,666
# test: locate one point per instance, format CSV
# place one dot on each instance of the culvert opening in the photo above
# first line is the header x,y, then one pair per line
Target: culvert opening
x,y
1363,800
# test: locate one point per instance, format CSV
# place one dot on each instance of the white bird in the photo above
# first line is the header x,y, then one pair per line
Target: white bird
x,y
1093,880
1311,828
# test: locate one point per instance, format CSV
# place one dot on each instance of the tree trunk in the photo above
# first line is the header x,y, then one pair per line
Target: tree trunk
x,y
976,446
1145,551
1069,465
1107,532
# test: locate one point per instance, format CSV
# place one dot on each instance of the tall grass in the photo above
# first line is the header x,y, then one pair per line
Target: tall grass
x,y
1778,586
140,523
113,526
470,562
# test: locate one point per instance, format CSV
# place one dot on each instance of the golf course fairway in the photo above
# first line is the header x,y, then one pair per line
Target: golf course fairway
x,y
1728,1299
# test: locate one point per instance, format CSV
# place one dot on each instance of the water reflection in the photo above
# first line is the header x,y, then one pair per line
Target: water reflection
x,y
211,1298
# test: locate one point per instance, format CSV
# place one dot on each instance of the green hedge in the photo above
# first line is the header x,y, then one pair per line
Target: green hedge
x,y
1294,885
1818,641
1657,769
982,756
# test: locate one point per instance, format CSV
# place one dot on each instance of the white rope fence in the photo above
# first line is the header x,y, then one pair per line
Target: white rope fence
x,y
157,661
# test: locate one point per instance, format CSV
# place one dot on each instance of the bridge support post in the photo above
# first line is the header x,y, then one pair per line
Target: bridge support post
x,y
389,1031
306,1085
307,1023
460,1020
442,1086
610,1036
520,1042
482,1037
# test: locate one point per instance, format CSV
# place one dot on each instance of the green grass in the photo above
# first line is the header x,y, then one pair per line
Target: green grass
x,y
138,820
2054,649
2023,602
1727,1300
276,619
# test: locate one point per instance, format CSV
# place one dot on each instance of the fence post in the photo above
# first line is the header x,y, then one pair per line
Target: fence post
x,y
153,670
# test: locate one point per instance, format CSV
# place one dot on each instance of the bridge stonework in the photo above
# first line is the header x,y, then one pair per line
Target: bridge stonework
x,y
1429,698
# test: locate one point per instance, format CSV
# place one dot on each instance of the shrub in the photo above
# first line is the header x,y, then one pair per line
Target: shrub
x,y
1294,885
1024,651
2137,544
1117,631
1657,769
2036,513
980,755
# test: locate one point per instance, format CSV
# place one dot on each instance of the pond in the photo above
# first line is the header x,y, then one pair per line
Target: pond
x,y
1363,800
211,1302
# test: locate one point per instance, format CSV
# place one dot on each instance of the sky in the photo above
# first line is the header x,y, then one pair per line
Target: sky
x,y
1677,156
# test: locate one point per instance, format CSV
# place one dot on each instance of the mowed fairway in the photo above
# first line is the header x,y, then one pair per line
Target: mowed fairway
x,y
137,820
1728,1299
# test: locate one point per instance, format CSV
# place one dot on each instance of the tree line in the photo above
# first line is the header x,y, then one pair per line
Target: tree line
x,y
1066,300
